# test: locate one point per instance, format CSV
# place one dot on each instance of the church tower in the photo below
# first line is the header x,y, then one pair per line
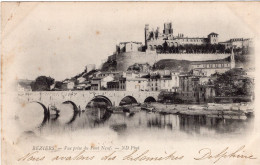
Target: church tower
x,y
168,28
146,33
232,59
213,38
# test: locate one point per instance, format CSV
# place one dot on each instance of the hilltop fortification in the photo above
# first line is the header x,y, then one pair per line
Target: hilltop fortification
x,y
160,46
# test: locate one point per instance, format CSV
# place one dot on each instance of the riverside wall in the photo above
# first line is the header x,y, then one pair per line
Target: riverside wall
x,y
126,59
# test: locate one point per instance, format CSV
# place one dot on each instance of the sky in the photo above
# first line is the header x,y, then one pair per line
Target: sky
x,y
60,39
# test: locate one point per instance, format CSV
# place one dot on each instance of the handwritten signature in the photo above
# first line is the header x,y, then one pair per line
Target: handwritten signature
x,y
206,153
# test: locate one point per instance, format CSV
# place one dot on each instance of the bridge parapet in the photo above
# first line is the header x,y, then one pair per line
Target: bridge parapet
x,y
82,98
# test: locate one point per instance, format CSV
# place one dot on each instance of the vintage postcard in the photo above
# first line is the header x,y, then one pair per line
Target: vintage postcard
x,y
130,83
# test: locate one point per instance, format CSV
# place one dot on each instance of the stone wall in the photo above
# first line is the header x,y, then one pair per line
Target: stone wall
x,y
126,59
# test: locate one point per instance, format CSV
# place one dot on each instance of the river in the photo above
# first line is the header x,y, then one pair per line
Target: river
x,y
127,125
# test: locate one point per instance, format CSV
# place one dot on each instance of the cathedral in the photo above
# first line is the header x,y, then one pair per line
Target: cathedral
x,y
154,38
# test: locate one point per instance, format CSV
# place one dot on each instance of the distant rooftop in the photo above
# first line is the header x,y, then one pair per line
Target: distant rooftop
x,y
212,33
130,42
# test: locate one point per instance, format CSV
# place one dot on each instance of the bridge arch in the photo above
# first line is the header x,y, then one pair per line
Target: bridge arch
x,y
100,98
127,100
150,99
75,107
46,111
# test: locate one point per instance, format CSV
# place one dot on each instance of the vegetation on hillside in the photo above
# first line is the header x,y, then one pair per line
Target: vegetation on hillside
x,y
109,66
139,67
171,64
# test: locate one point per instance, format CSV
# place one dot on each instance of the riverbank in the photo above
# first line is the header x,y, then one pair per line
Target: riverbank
x,y
233,111
227,111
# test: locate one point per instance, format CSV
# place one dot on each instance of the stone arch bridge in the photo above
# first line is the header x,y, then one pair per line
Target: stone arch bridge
x,y
80,99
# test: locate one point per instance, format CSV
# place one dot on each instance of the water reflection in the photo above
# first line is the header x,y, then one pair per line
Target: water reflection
x,y
98,114
200,123
142,122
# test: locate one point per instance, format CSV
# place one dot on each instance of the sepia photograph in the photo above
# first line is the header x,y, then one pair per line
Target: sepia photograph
x,y
129,82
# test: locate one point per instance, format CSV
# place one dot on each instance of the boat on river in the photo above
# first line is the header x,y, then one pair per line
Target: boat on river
x,y
54,110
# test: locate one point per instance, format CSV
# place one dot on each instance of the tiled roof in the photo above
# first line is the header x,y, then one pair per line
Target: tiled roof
x,y
136,79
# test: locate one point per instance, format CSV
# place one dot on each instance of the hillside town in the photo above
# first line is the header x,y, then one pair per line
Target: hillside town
x,y
185,80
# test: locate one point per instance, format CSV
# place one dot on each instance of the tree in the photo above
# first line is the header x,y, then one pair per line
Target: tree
x,y
233,83
58,85
165,47
159,49
42,83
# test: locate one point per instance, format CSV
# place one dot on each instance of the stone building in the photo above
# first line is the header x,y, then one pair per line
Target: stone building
x,y
238,43
113,85
214,66
68,84
105,74
166,83
96,83
117,85
169,81
129,46
154,38
136,84
196,88
105,80
188,87
122,83
205,93
154,83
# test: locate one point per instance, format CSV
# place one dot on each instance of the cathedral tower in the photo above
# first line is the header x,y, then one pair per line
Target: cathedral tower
x,y
232,59
146,33
168,28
